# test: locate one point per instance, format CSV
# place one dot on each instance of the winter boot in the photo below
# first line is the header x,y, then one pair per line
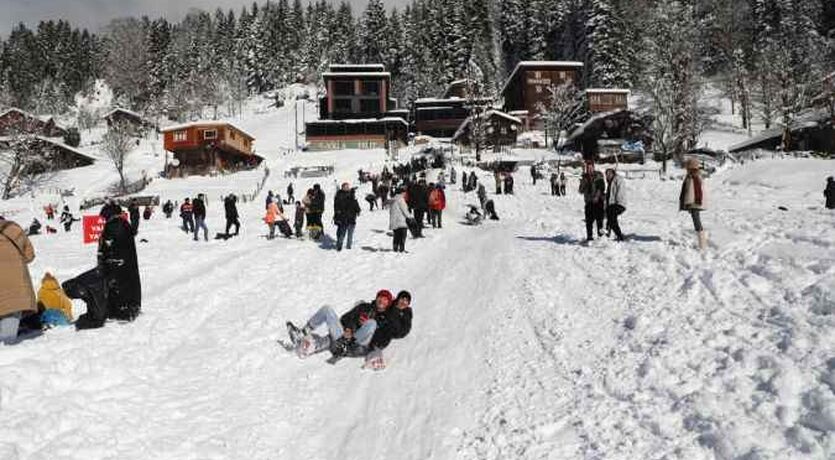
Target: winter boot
x,y
340,347
702,240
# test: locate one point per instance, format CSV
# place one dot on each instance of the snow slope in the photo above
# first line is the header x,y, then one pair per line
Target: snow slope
x,y
526,344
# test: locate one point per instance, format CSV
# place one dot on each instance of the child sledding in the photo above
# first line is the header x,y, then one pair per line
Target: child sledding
x,y
364,331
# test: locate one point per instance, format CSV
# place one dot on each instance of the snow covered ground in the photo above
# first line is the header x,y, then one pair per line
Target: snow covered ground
x,y
526,343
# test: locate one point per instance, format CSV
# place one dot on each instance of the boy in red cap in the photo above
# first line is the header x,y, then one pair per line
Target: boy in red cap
x,y
352,333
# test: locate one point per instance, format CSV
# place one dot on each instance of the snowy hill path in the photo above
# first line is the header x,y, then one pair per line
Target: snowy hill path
x,y
526,344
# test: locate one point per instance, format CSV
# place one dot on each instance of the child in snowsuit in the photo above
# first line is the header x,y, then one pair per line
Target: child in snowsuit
x,y
53,303
298,223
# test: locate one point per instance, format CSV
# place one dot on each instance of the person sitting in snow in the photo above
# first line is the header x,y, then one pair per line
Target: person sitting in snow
x,y
351,334
53,304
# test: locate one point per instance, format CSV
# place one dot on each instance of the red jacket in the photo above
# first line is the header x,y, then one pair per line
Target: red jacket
x,y
437,200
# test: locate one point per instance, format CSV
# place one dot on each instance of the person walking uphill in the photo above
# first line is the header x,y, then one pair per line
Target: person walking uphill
x,y
133,212
593,188
615,202
345,212
692,198
398,220
829,192
199,208
17,296
231,207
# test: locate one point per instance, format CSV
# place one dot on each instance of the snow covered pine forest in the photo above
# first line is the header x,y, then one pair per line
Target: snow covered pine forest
x,y
528,342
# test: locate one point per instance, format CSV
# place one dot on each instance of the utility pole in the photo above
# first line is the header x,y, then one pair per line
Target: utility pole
x,y
296,124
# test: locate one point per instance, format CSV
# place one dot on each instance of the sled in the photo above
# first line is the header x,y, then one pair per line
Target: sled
x,y
374,361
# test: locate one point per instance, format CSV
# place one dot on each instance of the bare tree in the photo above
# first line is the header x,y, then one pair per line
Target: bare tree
x,y
565,106
24,164
118,144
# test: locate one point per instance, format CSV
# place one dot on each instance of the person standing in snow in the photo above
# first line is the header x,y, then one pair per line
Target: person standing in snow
x,y
345,212
437,204
67,218
615,202
593,188
199,207
133,212
508,184
272,218
187,214
473,181
231,209
399,221
497,177
168,209
269,200
419,201
482,195
692,198
350,334
534,174
17,295
290,197
829,192
148,212
563,184
298,221
555,186
314,207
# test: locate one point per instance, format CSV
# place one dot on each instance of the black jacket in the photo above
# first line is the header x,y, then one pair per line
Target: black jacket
x,y
420,199
231,207
345,208
317,204
198,208
118,264
391,324
829,193
351,319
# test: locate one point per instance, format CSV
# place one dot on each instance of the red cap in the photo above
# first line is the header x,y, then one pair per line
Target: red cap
x,y
385,293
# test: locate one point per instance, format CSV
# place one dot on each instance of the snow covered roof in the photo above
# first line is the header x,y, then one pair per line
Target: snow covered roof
x,y
460,131
57,143
376,67
607,91
205,123
125,111
812,120
592,119
521,64
43,118
361,120
438,100
356,74
517,113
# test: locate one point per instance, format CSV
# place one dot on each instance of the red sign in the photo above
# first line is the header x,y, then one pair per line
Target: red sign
x,y
93,226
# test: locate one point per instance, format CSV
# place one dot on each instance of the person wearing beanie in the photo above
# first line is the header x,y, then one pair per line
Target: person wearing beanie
x,y
692,198
394,323
350,334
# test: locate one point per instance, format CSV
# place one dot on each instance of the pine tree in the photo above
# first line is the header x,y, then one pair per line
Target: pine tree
x,y
606,62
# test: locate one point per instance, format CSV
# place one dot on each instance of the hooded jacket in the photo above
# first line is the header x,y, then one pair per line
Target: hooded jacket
x,y
16,251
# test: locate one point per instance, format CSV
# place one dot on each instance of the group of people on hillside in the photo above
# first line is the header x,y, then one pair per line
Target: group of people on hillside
x,y
193,214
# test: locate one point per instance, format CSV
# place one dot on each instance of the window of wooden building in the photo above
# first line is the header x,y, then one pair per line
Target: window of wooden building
x,y
180,136
369,106
343,88
342,106
210,134
370,88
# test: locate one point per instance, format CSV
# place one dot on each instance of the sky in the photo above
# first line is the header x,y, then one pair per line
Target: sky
x,y
95,13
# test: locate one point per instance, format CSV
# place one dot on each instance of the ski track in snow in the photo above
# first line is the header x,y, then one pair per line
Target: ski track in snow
x,y
526,344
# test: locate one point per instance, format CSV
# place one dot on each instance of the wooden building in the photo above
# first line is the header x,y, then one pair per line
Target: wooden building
x,y
206,146
15,121
620,135
135,123
56,155
607,99
501,130
357,110
527,86
814,132
439,117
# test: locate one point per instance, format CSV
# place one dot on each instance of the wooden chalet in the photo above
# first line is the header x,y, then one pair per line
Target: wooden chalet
x,y
135,123
357,110
620,135
527,86
56,155
501,130
607,99
439,117
206,146
813,132
15,121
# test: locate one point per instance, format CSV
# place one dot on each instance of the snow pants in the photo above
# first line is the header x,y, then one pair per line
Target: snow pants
x,y
612,213
436,217
233,223
188,223
326,315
